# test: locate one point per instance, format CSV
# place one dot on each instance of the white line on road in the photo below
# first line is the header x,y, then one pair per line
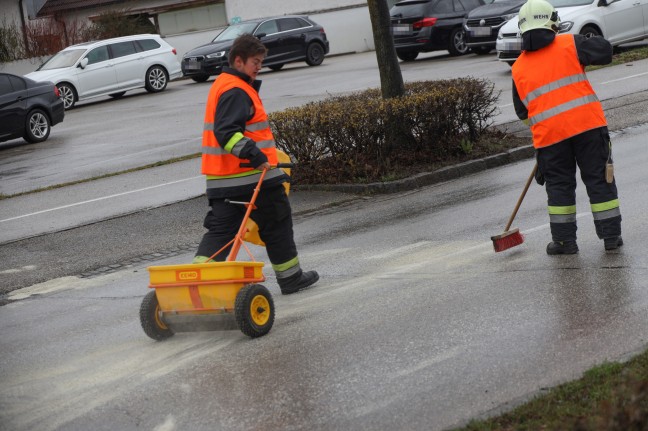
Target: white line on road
x,y
624,78
100,199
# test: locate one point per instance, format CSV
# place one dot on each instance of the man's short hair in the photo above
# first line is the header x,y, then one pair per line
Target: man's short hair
x,y
246,46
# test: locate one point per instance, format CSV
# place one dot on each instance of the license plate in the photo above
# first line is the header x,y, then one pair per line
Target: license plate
x,y
480,31
192,65
401,28
512,45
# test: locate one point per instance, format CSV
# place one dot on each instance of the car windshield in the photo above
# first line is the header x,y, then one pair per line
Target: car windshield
x,y
234,31
62,59
567,3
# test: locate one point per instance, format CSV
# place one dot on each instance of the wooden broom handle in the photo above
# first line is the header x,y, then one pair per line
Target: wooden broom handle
x,y
519,202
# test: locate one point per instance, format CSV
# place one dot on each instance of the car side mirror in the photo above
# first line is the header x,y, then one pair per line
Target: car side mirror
x,y
83,63
260,35
602,3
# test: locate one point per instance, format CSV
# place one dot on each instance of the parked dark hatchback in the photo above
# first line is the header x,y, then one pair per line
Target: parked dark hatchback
x,y
482,24
287,38
429,25
28,108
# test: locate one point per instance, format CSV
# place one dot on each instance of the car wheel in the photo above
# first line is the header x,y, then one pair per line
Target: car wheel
x,y
156,79
457,44
314,54
37,126
117,95
407,55
589,31
200,78
481,50
276,67
68,94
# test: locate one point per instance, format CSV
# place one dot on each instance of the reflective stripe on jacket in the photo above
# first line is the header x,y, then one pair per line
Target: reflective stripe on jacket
x,y
560,100
219,160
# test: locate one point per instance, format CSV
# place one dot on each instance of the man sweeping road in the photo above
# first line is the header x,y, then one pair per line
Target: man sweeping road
x,y
553,95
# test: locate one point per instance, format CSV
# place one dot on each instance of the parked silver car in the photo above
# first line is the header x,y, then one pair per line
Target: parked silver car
x,y
619,21
110,67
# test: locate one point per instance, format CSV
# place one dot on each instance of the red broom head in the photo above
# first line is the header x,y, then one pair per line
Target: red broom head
x,y
507,240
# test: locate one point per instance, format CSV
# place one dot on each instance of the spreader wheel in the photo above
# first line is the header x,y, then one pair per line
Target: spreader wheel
x,y
254,310
152,324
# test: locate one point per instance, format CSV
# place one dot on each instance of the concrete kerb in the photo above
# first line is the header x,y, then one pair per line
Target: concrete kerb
x,y
426,178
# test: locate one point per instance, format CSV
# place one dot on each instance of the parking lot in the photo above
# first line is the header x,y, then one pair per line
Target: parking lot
x,y
103,135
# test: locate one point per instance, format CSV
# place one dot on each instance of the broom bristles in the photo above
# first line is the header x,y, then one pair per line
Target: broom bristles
x,y
507,240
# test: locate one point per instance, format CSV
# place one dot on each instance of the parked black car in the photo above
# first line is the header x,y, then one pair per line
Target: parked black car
x,y
429,25
288,39
483,23
28,108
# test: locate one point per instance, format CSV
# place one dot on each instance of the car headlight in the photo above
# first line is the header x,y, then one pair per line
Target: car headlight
x,y
216,54
565,26
509,16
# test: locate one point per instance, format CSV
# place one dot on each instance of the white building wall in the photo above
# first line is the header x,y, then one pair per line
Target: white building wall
x,y
249,9
346,22
193,19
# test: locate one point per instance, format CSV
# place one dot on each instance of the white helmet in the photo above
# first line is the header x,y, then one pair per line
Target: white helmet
x,y
538,14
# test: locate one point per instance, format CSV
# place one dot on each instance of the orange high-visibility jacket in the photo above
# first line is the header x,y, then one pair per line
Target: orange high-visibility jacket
x,y
216,160
553,86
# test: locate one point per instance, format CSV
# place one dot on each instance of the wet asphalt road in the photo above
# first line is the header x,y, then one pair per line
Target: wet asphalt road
x,y
415,324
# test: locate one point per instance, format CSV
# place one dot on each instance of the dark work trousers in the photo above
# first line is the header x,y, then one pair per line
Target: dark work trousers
x,y
273,216
557,163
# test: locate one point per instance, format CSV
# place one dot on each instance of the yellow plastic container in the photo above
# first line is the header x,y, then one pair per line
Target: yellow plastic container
x,y
204,287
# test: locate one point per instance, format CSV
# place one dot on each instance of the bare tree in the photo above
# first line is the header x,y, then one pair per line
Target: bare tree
x,y
391,79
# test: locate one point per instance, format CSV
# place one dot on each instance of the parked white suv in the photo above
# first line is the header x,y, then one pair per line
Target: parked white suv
x,y
619,21
110,67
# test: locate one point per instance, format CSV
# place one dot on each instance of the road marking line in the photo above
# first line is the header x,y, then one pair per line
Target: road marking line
x,y
99,199
624,78
16,270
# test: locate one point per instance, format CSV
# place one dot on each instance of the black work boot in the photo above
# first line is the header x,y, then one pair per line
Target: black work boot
x,y
613,243
297,282
562,247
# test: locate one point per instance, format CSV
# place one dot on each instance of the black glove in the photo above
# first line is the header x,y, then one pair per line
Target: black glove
x,y
538,174
539,178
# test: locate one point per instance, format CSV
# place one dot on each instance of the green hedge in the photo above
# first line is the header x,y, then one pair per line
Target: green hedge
x,y
343,138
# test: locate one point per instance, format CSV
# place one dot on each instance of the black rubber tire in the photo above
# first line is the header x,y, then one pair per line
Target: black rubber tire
x,y
314,54
117,95
37,126
457,42
276,67
149,318
68,94
156,79
589,31
200,78
407,55
481,50
254,322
